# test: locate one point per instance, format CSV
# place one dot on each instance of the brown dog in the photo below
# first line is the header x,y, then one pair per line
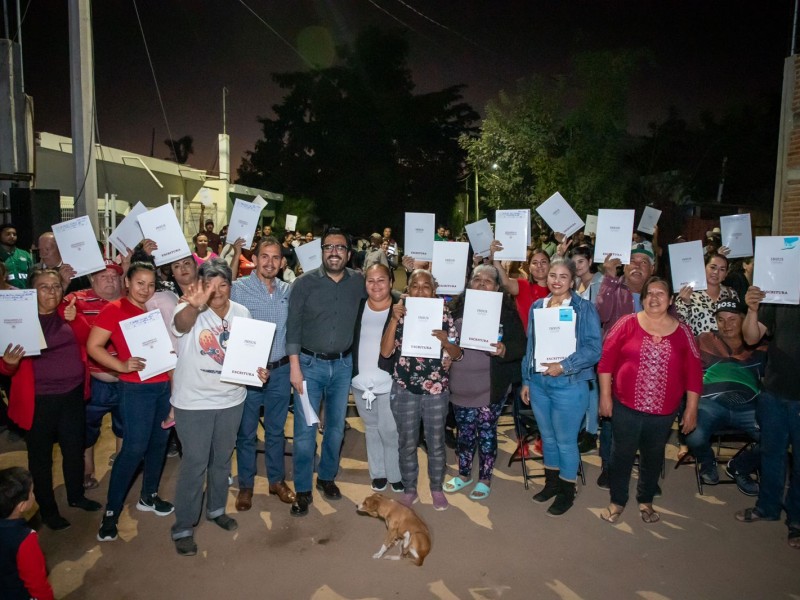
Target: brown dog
x,y
402,525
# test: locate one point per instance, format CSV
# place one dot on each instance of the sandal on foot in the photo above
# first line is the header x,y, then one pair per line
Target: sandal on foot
x,y
481,491
649,515
794,538
611,514
751,515
455,484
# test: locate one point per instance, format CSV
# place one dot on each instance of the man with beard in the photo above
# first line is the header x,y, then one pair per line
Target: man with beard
x,y
619,297
266,296
319,335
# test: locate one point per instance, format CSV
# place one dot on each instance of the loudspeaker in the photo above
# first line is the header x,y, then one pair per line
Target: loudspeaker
x,y
33,212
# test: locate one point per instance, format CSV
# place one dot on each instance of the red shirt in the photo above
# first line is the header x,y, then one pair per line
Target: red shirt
x,y
648,375
109,319
528,294
89,304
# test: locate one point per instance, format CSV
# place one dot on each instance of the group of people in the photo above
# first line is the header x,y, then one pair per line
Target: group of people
x,y
643,356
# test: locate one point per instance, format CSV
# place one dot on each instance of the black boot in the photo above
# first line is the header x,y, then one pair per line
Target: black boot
x,y
550,486
564,498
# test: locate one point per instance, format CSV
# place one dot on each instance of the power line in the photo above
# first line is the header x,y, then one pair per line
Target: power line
x,y
446,28
155,81
286,42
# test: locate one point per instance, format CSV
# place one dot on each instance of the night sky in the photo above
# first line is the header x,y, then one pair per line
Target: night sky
x,y
705,55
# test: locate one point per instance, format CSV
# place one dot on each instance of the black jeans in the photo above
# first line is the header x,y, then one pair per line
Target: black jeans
x,y
57,418
647,434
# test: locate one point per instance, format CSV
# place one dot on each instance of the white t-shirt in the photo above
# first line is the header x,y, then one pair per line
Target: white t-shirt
x,y
370,375
201,352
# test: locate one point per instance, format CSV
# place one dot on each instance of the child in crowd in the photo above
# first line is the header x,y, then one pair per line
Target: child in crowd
x,y
22,568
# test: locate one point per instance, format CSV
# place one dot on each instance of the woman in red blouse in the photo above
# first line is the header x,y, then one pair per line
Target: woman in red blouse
x,y
650,360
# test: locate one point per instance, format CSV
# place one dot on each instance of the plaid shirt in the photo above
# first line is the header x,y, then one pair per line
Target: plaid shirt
x,y
274,308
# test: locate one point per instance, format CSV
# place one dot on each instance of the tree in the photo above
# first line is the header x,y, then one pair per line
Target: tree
x,y
180,149
357,140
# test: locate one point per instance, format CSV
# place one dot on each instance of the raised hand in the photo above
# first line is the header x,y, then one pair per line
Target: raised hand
x,y
197,294
13,355
70,312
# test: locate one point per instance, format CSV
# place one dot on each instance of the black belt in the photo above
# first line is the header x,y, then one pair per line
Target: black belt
x,y
326,355
277,363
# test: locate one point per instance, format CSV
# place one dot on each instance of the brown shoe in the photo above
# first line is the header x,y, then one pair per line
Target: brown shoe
x,y
282,491
244,500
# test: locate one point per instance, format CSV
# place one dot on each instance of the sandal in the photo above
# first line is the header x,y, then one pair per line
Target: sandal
x,y
455,484
481,491
649,515
90,483
794,538
612,513
751,515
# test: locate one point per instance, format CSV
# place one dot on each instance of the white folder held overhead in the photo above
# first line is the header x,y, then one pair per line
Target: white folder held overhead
x,y
243,222
449,266
737,234
776,268
480,236
687,265
614,235
420,229
161,225
559,215
78,246
310,255
291,222
511,229
649,220
591,225
128,233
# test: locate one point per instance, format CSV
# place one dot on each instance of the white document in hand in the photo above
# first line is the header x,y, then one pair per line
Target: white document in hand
x,y
649,220
591,225
559,215
420,229
128,233
423,315
480,236
310,255
687,265
309,414
776,268
737,235
481,323
244,221
511,229
248,349
554,329
147,338
19,321
77,244
161,225
614,235
291,222
450,266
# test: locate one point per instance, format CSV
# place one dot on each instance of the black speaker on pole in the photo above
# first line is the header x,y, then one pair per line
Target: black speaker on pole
x,y
33,212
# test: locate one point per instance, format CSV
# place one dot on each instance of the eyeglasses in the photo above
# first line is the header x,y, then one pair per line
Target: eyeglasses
x,y
53,287
332,247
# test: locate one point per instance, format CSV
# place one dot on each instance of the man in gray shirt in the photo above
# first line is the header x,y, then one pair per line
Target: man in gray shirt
x,y
319,333
266,296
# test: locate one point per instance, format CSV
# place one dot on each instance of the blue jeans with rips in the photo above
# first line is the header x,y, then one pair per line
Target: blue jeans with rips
x,y
327,380
559,406
714,415
144,407
274,396
779,418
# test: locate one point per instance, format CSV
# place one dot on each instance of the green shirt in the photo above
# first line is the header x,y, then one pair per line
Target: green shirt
x,y
18,264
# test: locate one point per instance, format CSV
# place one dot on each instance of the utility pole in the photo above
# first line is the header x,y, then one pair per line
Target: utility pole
x,y
81,72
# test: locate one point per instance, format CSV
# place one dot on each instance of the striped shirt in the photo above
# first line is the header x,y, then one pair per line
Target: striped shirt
x,y
273,307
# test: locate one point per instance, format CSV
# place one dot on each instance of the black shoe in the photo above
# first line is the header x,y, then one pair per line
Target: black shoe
x,y
108,528
56,522
173,449
301,503
587,442
185,546
565,498
86,504
226,522
329,489
550,486
397,486
709,474
155,504
744,483
378,485
602,481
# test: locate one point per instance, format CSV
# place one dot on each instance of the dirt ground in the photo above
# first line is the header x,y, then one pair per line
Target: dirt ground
x,y
504,547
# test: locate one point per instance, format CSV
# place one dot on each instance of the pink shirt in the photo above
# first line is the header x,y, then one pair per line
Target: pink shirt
x,y
648,375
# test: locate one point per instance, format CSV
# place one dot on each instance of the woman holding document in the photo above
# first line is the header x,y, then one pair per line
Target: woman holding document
x,y
207,411
47,398
555,372
421,391
526,290
144,404
479,384
650,360
697,308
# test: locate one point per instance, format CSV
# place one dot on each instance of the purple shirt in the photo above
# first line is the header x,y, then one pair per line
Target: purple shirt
x,y
59,369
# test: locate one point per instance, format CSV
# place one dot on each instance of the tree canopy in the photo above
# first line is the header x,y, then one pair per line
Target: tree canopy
x,y
356,140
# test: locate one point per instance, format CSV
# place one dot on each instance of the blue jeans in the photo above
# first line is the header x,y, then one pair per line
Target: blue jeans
x,y
144,407
592,411
274,397
779,418
559,407
104,400
328,379
712,416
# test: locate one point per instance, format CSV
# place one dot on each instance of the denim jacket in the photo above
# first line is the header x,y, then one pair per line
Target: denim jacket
x,y
578,366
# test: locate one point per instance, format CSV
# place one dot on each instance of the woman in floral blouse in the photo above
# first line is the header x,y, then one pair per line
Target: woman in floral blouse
x,y
420,391
697,308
